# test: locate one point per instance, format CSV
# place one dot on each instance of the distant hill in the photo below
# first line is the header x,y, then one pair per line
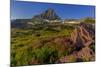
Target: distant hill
x,y
19,23
89,20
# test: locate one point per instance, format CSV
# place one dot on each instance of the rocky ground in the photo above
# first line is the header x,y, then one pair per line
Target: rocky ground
x,y
82,38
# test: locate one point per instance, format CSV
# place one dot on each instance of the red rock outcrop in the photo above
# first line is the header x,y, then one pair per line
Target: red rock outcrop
x,y
82,37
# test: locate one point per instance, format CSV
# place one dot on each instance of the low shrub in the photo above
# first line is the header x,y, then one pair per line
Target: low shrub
x,y
46,55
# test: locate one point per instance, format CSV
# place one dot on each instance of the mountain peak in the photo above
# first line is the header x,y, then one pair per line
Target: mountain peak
x,y
50,10
49,14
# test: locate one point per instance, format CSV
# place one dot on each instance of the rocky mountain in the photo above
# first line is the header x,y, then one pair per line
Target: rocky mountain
x,y
49,14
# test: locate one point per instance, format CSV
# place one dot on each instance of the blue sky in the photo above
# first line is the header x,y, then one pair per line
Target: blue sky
x,y
23,10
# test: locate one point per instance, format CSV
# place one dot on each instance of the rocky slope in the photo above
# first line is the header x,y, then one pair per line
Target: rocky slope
x,y
82,38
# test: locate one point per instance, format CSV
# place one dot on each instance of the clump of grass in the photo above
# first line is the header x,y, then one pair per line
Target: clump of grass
x,y
46,55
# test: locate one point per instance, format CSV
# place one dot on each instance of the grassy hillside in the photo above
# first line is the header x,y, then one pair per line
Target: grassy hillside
x,y
37,45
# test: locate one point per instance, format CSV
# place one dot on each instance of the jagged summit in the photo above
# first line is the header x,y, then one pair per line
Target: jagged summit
x,y
49,14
